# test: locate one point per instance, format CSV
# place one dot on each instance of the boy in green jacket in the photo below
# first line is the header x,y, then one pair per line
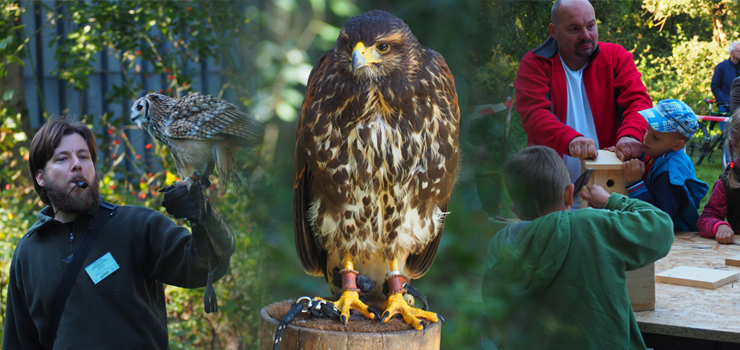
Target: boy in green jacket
x,y
557,280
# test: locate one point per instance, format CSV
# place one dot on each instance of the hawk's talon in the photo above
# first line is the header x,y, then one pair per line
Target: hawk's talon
x,y
375,312
348,301
423,327
441,319
395,304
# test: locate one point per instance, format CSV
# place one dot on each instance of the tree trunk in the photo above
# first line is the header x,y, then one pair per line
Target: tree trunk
x,y
302,338
719,14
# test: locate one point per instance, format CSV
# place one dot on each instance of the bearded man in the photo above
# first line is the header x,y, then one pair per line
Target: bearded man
x,y
128,253
577,95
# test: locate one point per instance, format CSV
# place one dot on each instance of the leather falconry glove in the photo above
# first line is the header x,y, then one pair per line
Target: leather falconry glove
x,y
210,232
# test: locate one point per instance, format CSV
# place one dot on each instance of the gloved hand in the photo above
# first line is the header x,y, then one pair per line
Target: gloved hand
x,y
183,203
210,232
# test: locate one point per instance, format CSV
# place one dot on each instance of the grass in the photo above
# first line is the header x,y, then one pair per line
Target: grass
x,y
709,172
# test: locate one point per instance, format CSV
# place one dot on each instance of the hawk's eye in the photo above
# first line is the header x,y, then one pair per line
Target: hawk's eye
x,y
383,48
139,108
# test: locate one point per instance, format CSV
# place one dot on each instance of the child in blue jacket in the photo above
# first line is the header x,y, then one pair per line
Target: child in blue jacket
x,y
665,175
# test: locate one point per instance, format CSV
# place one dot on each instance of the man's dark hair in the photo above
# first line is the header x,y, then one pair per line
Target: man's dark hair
x,y
536,178
47,139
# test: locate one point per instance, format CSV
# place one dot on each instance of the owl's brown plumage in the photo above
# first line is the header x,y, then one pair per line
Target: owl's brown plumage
x,y
376,152
200,131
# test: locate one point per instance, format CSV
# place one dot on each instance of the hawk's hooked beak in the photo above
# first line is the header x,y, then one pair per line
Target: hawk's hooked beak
x,y
362,56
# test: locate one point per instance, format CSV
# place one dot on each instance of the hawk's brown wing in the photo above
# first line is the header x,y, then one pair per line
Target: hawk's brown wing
x,y
419,264
311,254
204,117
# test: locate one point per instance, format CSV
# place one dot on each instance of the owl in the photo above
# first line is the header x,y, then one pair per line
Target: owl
x,y
200,131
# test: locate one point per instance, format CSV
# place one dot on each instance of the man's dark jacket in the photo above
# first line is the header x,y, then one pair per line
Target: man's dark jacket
x,y
724,74
125,310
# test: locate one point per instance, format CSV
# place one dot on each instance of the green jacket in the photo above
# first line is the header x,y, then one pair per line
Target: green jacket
x,y
126,309
558,282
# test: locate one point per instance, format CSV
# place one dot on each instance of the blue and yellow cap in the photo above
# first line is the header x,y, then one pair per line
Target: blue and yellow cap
x,y
672,115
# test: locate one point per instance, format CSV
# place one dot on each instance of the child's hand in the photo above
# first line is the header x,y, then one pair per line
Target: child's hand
x,y
724,234
633,170
596,196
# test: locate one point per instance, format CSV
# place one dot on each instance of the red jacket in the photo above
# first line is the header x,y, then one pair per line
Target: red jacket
x,y
613,86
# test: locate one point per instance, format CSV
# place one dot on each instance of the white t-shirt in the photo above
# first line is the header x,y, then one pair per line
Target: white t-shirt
x,y
579,118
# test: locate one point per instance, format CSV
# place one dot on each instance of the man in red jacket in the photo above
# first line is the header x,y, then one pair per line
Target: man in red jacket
x,y
576,94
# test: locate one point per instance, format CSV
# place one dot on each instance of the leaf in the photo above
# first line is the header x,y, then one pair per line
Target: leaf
x,y
8,95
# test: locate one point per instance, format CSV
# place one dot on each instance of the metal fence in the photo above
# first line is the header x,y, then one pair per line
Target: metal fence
x,y
46,94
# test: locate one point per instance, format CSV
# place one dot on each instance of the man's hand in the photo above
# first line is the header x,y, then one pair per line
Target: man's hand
x,y
583,147
724,234
633,170
183,203
596,196
628,148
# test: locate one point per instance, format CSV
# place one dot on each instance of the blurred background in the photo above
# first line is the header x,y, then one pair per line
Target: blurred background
x,y
91,59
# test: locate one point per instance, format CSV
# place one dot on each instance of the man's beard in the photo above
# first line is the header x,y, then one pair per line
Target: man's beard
x,y
78,201
585,53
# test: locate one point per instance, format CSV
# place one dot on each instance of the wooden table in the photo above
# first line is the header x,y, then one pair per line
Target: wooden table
x,y
691,312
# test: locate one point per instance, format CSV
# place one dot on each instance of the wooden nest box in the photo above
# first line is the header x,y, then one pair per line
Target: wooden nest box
x,y
608,174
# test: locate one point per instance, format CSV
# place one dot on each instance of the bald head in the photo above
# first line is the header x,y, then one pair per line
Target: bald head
x,y
574,28
568,5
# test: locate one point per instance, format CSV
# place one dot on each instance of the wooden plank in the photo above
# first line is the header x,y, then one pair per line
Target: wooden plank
x,y
711,314
733,260
606,160
641,288
697,277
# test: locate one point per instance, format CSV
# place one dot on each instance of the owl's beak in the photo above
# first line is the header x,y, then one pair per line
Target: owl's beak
x,y
362,56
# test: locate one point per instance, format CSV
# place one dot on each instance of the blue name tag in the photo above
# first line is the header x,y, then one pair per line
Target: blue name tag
x,y
102,268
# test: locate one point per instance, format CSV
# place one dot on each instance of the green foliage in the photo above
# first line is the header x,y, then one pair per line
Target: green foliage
x,y
165,35
685,74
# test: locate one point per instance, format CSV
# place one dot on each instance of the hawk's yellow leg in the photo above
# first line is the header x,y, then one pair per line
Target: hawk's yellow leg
x,y
395,304
350,298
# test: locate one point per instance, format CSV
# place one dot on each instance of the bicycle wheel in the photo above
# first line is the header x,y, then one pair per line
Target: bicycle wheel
x,y
698,146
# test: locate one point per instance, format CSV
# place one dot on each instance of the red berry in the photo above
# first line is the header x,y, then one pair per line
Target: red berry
x,y
138,156
7,187
110,131
138,52
112,187
148,145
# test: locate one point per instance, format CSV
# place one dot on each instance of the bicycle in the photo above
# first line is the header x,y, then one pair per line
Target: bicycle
x,y
707,139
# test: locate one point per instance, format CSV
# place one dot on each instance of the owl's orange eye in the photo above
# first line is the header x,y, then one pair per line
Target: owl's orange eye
x,y
139,108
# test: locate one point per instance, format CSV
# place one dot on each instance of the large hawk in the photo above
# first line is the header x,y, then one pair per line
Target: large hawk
x,y
375,162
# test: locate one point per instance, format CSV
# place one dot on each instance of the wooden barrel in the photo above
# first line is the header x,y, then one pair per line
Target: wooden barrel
x,y
298,336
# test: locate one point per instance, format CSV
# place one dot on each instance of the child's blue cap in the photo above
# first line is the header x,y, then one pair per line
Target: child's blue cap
x,y
672,115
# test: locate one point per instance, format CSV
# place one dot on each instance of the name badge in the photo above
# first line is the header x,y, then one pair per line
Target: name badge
x,y
102,268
